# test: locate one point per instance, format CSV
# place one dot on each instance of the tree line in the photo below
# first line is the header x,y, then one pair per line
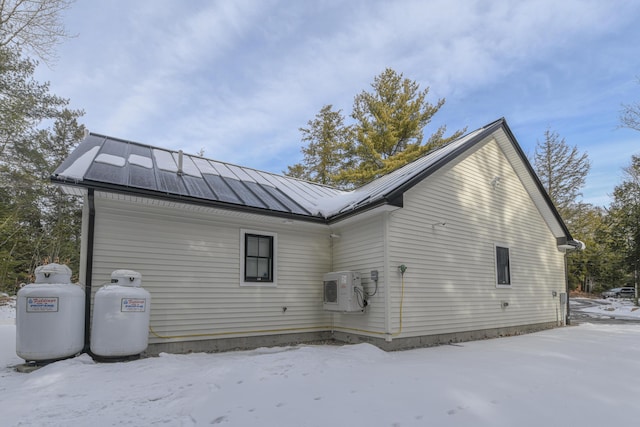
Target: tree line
x,y
38,224
384,131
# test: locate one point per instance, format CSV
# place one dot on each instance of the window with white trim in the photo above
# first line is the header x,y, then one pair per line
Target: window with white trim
x,y
258,258
503,266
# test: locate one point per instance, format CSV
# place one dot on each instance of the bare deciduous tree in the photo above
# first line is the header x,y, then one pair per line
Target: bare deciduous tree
x,y
33,26
561,169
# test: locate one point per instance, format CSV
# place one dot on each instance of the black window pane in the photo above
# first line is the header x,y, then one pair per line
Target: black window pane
x,y
502,261
251,266
258,258
264,249
252,246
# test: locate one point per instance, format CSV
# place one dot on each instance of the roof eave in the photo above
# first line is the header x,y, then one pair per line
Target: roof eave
x,y
99,186
539,185
400,190
392,204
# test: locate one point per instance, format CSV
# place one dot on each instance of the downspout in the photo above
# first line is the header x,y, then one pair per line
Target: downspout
x,y
89,270
572,245
567,321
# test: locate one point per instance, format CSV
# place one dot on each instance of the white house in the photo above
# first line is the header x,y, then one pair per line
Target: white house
x,y
465,244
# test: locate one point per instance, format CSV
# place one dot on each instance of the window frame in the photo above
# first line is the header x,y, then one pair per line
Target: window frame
x,y
497,266
273,258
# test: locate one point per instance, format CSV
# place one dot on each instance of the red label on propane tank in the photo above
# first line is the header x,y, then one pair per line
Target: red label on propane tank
x,y
133,304
42,304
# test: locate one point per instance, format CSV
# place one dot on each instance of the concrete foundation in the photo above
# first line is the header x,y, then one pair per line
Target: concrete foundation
x,y
440,339
252,342
238,343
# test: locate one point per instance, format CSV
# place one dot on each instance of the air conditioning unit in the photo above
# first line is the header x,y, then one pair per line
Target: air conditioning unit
x,y
343,292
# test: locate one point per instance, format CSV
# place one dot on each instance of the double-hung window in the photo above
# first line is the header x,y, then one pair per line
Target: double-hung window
x,y
258,252
503,266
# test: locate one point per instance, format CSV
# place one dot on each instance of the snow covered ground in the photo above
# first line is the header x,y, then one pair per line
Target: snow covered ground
x,y
583,375
611,308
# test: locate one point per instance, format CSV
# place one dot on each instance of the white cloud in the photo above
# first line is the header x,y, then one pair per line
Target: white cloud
x,y
224,75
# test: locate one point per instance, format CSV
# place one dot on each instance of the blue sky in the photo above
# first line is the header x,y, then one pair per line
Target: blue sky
x,y
239,78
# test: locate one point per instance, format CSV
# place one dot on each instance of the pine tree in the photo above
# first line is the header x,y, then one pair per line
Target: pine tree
x,y
28,154
387,133
37,223
624,219
389,127
596,268
327,140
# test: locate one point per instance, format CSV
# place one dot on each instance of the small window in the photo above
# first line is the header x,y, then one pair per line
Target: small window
x,y
503,268
257,257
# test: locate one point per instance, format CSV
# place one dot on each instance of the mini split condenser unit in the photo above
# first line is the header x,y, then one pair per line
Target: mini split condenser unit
x,y
343,292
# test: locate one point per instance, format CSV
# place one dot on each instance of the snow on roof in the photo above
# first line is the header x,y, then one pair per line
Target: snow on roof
x,y
164,160
79,168
143,161
110,159
188,166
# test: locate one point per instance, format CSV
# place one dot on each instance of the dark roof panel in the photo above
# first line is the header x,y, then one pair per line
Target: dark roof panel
x,y
197,187
271,202
286,200
223,192
245,194
171,183
141,171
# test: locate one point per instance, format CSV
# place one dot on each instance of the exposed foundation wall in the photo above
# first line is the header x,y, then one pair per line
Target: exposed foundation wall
x,y
339,338
442,339
239,343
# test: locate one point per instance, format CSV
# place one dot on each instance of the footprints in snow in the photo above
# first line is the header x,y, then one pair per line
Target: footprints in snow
x,y
462,408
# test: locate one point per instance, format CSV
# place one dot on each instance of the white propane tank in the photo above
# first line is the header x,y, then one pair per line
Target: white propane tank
x,y
121,312
50,316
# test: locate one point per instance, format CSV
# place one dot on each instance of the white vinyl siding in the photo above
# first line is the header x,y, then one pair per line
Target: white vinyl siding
x,y
190,263
446,235
450,282
360,247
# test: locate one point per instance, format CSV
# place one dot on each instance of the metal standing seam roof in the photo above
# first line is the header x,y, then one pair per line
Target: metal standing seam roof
x,y
103,162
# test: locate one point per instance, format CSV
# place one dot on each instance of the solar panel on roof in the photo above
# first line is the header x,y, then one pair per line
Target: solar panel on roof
x,y
170,183
197,187
244,193
271,202
223,170
204,166
142,177
240,173
164,160
104,172
221,189
286,200
122,163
